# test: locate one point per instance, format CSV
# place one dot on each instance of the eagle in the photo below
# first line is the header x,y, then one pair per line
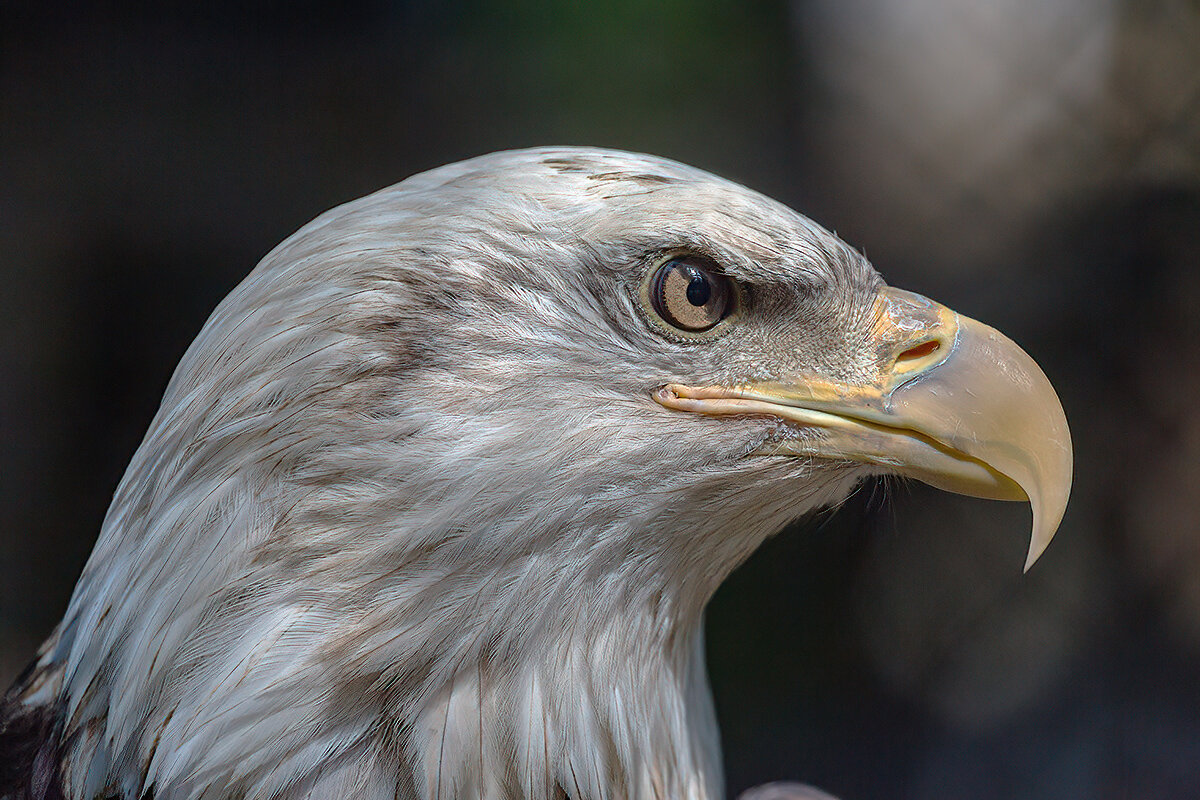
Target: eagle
x,y
433,504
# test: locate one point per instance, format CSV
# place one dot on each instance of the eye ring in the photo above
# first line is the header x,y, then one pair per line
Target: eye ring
x,y
689,294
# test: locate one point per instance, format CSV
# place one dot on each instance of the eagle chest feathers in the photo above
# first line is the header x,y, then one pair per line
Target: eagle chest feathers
x,y
434,503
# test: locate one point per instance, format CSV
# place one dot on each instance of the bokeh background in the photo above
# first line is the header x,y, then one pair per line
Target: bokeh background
x,y
1035,165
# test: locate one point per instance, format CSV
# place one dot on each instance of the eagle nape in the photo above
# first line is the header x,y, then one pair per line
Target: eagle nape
x,y
434,504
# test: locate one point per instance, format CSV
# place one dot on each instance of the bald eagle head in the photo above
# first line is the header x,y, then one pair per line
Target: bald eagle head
x,y
434,503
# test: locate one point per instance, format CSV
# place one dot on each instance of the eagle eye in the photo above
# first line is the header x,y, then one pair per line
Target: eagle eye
x,y
690,293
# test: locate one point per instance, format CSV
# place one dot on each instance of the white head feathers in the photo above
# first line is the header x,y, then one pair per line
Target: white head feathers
x,y
408,523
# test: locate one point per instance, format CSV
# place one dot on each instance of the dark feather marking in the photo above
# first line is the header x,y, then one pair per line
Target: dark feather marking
x,y
566,165
639,177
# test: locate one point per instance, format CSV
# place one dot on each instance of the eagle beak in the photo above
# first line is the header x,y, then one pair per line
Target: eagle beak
x,y
952,402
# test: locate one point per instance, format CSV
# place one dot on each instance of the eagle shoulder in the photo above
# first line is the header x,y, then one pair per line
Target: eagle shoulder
x,y
30,738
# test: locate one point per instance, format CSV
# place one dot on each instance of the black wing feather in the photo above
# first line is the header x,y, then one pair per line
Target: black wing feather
x,y
30,744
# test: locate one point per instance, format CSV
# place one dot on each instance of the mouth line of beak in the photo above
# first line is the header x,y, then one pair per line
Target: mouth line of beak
x,y
851,435
721,400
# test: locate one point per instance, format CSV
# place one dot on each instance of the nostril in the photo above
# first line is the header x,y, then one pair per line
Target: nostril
x,y
920,351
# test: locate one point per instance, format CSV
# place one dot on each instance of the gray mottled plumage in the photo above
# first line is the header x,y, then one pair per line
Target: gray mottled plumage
x,y
408,523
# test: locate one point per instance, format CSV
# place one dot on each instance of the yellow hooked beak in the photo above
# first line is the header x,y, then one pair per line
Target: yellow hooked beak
x,y
954,403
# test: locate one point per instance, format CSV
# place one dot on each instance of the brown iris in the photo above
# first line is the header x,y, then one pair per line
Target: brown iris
x,y
690,293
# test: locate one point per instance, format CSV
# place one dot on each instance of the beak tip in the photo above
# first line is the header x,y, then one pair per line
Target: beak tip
x,y
1031,559
1037,545
1044,528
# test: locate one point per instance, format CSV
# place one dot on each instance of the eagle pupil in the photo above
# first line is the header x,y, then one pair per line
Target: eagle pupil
x,y
698,290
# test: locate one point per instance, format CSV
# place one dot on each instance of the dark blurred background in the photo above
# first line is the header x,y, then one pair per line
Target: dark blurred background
x,y
1035,165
